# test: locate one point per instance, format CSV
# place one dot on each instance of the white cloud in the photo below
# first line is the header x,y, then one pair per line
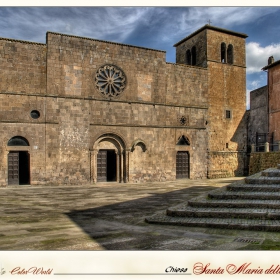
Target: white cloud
x,y
120,22
257,56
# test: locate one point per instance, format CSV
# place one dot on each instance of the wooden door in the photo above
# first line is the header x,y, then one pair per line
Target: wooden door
x,y
102,166
13,168
182,165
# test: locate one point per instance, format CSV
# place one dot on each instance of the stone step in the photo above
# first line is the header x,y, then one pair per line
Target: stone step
x,y
244,195
239,187
262,180
250,204
234,203
271,172
226,223
248,213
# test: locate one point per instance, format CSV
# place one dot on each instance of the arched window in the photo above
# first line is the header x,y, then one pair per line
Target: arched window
x,y
18,141
193,55
188,57
230,54
223,53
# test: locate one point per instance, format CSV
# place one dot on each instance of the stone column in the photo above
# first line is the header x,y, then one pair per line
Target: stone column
x,y
118,165
127,151
121,164
278,145
94,165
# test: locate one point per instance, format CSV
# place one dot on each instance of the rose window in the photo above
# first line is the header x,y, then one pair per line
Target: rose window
x,y
183,120
110,81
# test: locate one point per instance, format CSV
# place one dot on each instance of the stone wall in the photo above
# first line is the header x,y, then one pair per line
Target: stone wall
x,y
261,161
258,118
23,67
199,41
74,114
227,164
227,92
274,101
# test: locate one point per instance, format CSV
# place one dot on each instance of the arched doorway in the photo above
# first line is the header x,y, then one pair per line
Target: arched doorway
x,y
183,158
110,159
106,166
18,162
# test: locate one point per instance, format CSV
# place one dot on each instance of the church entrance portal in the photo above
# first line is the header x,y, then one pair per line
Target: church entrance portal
x,y
182,165
18,168
106,166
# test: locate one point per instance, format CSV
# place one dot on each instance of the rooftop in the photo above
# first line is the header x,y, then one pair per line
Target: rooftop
x,y
207,26
271,65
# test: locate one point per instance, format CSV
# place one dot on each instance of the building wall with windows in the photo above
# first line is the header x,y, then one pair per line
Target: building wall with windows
x,y
89,111
222,52
264,119
273,99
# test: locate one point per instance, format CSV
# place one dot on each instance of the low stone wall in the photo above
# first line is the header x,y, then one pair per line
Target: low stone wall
x,y
261,161
226,164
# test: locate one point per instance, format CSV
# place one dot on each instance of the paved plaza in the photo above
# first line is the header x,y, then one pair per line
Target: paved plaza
x,y
111,216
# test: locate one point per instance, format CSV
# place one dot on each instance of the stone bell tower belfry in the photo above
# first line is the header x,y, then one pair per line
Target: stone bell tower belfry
x,y
223,53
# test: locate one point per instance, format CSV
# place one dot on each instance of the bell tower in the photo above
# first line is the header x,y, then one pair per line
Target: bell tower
x,y
223,53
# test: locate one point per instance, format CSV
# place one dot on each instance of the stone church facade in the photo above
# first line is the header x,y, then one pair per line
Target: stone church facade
x,y
80,111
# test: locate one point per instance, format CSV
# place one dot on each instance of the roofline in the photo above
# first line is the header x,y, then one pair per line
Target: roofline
x,y
252,91
103,41
271,65
21,41
208,26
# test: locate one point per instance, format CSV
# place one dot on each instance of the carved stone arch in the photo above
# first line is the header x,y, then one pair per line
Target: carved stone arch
x,y
139,142
18,141
109,160
109,134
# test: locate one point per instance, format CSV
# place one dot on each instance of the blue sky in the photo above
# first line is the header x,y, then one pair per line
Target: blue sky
x,y
152,27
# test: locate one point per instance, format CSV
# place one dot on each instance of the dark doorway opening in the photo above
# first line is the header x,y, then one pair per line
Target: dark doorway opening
x,y
111,165
182,165
106,166
18,168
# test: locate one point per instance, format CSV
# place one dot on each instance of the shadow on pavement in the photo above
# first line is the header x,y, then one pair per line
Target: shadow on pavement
x,y
121,226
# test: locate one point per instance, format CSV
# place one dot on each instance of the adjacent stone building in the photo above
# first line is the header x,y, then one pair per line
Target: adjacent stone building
x,y
79,111
273,81
258,118
264,120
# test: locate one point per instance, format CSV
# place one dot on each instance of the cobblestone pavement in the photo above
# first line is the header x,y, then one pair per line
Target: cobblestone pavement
x,y
110,216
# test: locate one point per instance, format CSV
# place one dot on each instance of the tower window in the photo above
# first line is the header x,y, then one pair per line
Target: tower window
x,y
188,57
228,114
193,55
223,53
230,54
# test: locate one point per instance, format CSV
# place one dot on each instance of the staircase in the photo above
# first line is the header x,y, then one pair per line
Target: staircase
x,y
251,204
